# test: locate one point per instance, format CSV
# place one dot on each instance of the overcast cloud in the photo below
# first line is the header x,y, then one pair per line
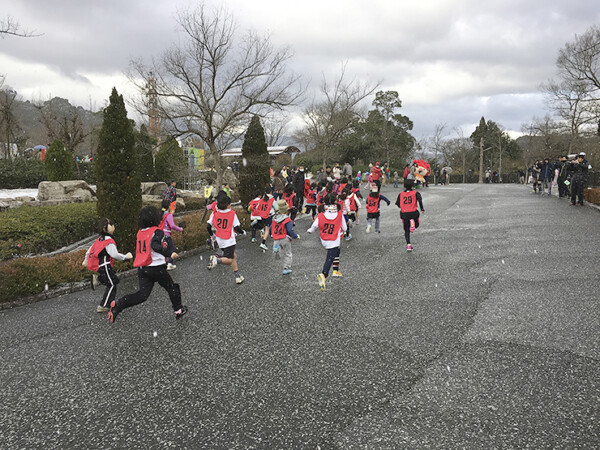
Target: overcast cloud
x,y
451,62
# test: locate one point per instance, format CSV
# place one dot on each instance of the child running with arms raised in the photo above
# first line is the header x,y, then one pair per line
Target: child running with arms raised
x,y
407,202
150,259
225,221
99,258
331,226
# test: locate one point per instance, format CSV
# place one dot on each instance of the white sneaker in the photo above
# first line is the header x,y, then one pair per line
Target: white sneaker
x,y
368,230
264,247
171,266
239,279
102,309
212,262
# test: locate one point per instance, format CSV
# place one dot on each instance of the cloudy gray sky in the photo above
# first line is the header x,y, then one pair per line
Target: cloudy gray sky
x,y
450,61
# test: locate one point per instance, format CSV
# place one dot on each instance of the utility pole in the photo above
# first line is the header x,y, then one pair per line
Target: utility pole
x,y
500,169
480,161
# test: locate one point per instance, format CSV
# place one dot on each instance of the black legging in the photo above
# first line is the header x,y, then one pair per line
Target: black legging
x,y
147,276
406,225
577,190
333,258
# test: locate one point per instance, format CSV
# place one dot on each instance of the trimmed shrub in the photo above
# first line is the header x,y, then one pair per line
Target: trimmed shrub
x,y
254,174
118,181
170,162
34,230
21,173
59,162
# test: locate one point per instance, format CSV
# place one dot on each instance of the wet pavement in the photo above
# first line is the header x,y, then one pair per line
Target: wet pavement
x,y
487,335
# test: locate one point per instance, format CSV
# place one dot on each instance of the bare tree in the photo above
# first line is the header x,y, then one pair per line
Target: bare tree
x,y
214,81
9,125
275,126
580,60
437,141
327,121
573,101
10,26
66,127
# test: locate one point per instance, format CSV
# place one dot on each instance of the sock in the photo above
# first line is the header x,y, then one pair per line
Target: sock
x,y
219,260
336,263
236,274
264,241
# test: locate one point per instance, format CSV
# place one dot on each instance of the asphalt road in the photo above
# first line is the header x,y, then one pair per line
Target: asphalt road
x,y
486,336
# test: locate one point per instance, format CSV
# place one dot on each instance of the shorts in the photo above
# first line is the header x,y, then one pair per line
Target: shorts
x,y
229,252
373,215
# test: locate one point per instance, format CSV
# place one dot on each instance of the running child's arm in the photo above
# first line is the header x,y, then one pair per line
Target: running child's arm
x,y
398,201
171,223
84,263
112,251
289,227
420,201
314,226
156,244
384,198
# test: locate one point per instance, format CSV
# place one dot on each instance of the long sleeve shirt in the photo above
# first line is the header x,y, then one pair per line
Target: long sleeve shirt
x,y
170,225
329,215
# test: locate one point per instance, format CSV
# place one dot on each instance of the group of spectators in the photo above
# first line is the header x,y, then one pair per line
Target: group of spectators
x,y
569,174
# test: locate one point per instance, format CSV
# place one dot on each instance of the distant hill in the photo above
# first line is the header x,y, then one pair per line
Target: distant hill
x,y
30,119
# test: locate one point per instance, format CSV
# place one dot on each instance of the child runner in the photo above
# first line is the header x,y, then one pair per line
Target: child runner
x,y
407,202
150,259
353,204
289,196
357,194
99,258
331,226
282,231
345,208
265,211
373,201
167,225
311,200
256,222
225,221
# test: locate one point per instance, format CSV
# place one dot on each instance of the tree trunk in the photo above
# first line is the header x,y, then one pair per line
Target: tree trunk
x,y
217,159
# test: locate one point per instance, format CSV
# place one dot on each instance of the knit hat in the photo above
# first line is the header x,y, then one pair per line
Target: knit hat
x,y
283,206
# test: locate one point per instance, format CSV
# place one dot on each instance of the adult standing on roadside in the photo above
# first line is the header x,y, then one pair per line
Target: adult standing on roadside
x,y
298,183
347,170
563,171
580,169
171,193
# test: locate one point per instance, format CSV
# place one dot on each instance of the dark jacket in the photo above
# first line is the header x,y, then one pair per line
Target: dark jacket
x,y
580,170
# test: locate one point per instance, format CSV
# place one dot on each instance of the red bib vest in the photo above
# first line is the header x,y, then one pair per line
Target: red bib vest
x,y
373,204
311,196
352,199
408,201
254,207
289,199
143,251
97,247
223,223
330,229
278,230
342,186
264,208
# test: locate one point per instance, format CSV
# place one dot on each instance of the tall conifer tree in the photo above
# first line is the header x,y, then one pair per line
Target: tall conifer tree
x,y
144,144
59,162
254,171
118,181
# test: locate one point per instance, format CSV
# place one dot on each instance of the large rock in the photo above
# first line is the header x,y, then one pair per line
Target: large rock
x,y
154,188
72,190
156,200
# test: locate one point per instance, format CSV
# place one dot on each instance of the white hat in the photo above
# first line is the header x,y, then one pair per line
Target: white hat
x,y
582,154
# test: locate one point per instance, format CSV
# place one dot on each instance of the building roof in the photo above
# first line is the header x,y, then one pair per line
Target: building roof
x,y
273,151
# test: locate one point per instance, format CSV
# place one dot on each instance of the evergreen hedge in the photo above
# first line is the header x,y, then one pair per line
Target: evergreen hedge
x,y
21,173
39,229
254,172
59,162
118,181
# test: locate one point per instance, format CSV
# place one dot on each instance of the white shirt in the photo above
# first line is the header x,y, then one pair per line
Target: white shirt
x,y
224,243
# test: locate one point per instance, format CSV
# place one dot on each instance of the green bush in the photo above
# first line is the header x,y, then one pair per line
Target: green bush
x,y
38,229
59,162
21,173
